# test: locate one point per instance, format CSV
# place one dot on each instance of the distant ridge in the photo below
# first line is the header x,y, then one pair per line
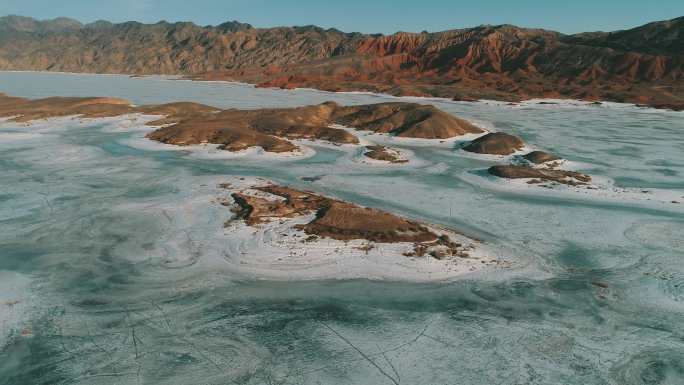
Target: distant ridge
x,y
641,65
657,38
27,24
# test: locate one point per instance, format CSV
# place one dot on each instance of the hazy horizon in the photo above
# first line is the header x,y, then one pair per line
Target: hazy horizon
x,y
379,17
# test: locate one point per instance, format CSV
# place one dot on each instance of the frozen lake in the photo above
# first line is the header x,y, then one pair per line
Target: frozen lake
x,y
109,274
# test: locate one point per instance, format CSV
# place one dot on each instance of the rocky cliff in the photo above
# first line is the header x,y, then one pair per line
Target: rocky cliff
x,y
643,65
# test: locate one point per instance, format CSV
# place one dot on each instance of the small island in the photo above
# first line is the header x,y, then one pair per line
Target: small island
x,y
385,154
495,143
296,229
540,175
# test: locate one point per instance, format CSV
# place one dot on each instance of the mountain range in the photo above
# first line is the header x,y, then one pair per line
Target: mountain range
x,y
644,65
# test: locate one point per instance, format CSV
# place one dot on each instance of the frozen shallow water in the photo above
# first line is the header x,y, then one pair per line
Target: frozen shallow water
x,y
107,274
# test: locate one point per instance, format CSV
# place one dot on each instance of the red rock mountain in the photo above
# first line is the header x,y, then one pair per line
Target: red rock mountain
x,y
642,65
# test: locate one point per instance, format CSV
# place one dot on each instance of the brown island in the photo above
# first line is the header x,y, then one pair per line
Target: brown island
x,y
340,220
495,143
541,175
536,166
185,123
384,154
272,129
287,233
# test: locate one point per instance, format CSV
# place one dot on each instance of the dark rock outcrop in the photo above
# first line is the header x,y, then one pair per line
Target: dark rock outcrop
x,y
334,219
539,157
538,175
384,154
495,143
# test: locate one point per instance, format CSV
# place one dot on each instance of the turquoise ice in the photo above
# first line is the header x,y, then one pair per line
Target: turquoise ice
x,y
597,296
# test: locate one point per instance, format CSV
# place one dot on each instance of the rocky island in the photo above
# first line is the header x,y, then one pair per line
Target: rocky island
x,y
339,220
539,175
385,154
305,230
273,130
536,167
495,143
539,157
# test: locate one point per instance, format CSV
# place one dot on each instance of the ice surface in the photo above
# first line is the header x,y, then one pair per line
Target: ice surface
x,y
144,284
15,298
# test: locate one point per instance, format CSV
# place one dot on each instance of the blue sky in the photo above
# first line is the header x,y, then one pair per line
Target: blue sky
x,y
383,16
